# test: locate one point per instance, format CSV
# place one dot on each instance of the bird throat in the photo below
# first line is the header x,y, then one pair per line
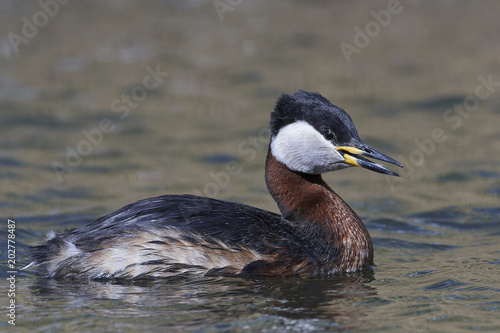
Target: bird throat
x,y
308,203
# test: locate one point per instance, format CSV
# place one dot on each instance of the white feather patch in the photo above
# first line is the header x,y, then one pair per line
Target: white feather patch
x,y
71,249
51,234
302,148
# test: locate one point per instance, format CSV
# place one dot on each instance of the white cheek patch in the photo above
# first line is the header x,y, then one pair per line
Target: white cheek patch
x,y
302,148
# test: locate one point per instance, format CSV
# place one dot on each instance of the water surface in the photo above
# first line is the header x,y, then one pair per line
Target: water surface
x,y
416,91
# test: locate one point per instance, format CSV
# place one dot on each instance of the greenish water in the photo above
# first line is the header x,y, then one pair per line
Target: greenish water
x,y
106,104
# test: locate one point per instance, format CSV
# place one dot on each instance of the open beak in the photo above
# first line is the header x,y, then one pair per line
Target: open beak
x,y
353,156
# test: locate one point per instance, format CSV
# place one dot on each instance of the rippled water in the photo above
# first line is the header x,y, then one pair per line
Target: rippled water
x,y
415,91
436,271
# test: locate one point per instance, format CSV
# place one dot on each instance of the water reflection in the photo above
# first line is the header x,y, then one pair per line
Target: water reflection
x,y
293,300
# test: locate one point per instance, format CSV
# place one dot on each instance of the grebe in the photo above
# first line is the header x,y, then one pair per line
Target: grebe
x,y
317,232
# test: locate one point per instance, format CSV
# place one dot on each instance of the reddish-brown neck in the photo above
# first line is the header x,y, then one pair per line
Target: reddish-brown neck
x,y
309,203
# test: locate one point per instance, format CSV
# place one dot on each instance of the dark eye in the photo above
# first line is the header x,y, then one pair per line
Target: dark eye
x,y
329,135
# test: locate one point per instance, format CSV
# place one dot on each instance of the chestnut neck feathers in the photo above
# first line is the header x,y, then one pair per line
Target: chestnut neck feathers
x,y
311,206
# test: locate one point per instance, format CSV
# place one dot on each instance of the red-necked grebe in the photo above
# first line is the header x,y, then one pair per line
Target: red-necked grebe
x,y
317,232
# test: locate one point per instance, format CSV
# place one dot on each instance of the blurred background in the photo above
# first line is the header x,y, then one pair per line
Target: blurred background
x,y
106,103
396,67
